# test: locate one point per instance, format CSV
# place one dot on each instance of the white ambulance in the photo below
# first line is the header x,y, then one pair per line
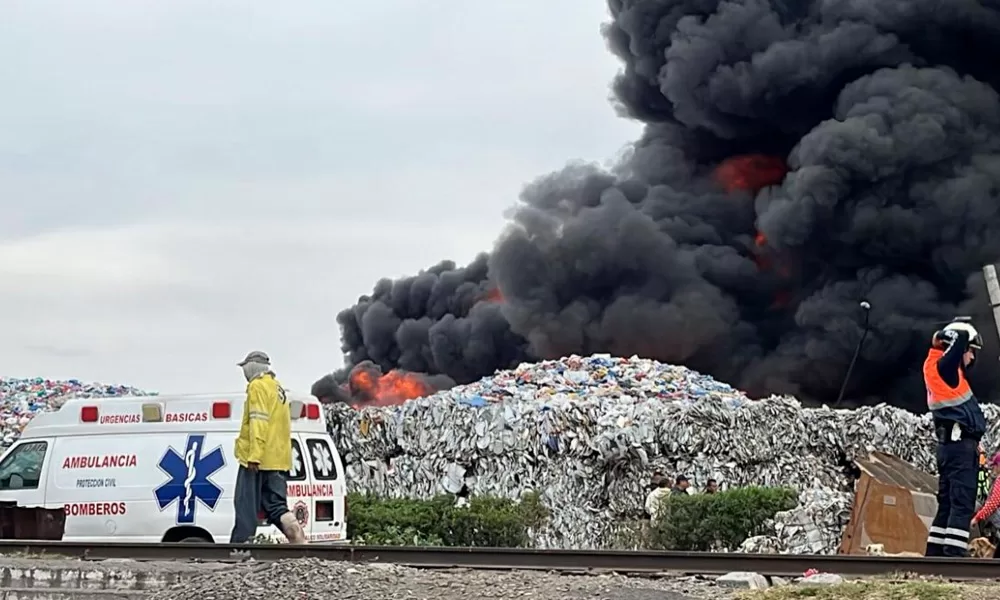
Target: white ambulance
x,y
162,469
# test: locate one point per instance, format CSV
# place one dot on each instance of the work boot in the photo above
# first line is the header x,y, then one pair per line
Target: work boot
x,y
292,530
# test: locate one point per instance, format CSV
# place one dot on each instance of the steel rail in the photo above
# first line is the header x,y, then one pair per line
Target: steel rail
x,y
531,559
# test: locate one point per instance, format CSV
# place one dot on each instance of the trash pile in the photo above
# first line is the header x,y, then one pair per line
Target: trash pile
x,y
588,432
21,399
815,526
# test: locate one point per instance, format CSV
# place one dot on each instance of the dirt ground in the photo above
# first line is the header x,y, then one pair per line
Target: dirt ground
x,y
881,590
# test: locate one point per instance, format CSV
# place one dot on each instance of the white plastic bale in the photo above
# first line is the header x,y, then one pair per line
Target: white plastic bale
x,y
815,526
589,432
362,435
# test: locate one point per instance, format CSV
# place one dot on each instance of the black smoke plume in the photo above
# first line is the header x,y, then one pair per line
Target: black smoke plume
x,y
887,116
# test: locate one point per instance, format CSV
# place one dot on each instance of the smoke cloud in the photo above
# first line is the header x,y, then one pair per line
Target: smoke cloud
x,y
699,249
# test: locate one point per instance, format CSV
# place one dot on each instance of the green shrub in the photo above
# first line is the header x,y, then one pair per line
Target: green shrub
x,y
704,522
485,521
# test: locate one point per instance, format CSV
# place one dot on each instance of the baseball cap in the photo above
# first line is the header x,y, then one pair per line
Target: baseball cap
x,y
255,357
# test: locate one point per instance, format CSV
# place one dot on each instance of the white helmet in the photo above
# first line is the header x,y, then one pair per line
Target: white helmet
x,y
975,341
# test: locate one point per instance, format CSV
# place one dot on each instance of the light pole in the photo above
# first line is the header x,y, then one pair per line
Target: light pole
x,y
865,306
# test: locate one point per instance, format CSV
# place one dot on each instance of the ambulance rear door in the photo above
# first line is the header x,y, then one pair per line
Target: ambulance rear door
x,y
328,490
300,501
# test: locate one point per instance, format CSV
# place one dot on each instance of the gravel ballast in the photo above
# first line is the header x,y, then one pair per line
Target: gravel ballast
x,y
303,579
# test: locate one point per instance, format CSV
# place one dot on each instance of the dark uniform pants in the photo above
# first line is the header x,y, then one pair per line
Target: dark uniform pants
x,y
258,491
958,472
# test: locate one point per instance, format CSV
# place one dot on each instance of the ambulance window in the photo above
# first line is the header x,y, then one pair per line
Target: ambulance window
x,y
297,473
22,468
323,465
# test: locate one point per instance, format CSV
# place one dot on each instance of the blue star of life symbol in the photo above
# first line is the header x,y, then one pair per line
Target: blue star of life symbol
x,y
189,478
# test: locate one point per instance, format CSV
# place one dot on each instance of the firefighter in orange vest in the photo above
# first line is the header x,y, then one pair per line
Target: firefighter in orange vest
x,y
959,425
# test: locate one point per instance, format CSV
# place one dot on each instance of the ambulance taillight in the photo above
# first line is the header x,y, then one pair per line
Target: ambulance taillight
x,y
88,414
221,410
312,411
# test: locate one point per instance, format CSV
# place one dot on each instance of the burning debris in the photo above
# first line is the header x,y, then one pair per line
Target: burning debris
x,y
794,162
367,386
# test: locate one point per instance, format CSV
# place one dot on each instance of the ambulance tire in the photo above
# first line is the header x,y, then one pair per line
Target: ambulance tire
x,y
187,535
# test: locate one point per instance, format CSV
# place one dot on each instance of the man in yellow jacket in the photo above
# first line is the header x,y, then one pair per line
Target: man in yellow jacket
x,y
264,451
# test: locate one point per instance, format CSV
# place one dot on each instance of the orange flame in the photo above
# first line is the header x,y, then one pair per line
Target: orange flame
x,y
494,295
371,388
750,172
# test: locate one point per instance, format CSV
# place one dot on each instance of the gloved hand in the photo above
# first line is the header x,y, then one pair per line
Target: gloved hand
x,y
943,338
951,328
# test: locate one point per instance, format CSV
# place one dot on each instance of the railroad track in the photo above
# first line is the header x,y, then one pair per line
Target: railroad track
x,y
514,558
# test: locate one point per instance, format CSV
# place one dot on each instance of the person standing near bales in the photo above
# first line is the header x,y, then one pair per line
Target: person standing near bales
x,y
264,451
654,481
989,513
983,486
959,425
656,496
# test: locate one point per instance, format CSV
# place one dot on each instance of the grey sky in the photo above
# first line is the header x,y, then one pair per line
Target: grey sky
x,y
184,181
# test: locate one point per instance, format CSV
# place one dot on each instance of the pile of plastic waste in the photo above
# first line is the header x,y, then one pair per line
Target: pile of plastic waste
x,y
815,526
21,399
589,432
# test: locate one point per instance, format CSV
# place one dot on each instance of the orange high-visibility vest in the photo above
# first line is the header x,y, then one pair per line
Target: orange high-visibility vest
x,y
940,394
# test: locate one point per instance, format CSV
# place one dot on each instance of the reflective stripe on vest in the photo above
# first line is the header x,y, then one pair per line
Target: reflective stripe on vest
x,y
940,394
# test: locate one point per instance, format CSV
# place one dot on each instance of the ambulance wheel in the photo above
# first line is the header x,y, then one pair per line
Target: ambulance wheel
x,y
187,535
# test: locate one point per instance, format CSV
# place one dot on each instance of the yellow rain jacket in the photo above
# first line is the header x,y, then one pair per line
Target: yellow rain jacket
x,y
266,432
